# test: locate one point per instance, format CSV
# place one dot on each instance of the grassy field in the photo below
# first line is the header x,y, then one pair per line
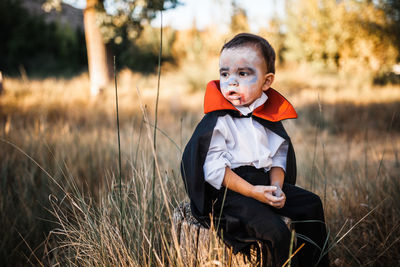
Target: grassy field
x,y
60,199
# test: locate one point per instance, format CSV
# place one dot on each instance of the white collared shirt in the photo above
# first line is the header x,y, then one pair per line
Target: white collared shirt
x,y
243,141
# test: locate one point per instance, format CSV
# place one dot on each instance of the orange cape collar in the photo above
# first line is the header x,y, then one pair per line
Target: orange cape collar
x,y
276,108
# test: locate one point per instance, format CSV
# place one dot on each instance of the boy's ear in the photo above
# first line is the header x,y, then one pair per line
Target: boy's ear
x,y
268,80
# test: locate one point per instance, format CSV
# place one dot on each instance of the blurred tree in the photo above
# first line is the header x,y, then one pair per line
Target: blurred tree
x,y
274,33
142,54
349,35
239,22
28,42
392,10
126,20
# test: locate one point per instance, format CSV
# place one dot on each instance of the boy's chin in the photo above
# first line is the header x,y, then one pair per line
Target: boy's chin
x,y
239,103
235,101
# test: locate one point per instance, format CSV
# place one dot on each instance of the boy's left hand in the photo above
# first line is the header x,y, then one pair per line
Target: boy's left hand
x,y
277,176
278,193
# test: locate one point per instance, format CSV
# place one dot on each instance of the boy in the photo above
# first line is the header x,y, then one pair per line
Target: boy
x,y
240,165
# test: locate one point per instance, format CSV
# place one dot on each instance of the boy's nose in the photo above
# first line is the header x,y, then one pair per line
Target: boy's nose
x,y
232,80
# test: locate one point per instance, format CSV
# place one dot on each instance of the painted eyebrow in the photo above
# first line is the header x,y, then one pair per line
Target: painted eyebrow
x,y
246,69
239,69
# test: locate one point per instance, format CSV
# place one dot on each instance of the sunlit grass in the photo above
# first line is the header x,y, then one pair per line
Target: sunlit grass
x,y
352,131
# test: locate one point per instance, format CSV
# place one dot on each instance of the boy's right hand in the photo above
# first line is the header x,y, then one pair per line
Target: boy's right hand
x,y
264,193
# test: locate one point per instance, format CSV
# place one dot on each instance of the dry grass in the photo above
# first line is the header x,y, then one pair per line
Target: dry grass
x,y
347,144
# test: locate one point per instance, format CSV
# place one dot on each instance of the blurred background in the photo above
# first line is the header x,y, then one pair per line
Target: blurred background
x,y
338,63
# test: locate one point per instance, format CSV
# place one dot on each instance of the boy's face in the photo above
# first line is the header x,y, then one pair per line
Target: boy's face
x,y
243,75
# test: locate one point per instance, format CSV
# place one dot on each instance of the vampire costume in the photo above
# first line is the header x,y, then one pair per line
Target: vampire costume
x,y
241,220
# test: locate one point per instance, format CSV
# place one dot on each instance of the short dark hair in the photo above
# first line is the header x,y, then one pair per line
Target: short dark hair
x,y
265,48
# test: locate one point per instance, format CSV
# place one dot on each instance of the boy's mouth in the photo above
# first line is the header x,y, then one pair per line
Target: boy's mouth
x,y
233,96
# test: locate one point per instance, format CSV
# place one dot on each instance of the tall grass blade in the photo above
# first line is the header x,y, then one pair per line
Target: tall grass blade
x,y
168,137
324,173
155,132
34,161
384,150
292,255
351,228
317,131
289,260
163,191
119,153
138,144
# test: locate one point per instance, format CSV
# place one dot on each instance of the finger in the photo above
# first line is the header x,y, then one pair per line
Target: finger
x,y
269,188
279,204
272,204
278,193
282,204
274,199
275,203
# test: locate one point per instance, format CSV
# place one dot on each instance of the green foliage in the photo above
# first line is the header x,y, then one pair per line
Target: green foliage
x,y
142,54
122,30
392,10
128,17
347,35
38,47
28,43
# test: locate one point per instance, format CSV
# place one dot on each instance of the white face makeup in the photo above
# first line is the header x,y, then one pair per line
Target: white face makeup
x,y
243,75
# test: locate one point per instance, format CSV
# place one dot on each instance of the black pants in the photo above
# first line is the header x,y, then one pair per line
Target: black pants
x,y
243,221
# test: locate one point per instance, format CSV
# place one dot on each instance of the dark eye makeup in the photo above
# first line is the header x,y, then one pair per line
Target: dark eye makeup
x,y
242,72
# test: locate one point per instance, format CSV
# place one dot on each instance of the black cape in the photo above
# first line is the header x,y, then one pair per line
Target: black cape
x,y
202,194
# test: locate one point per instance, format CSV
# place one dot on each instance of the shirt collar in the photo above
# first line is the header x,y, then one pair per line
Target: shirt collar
x,y
258,102
276,108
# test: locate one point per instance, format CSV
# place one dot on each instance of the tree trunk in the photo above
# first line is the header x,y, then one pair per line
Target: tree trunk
x,y
98,55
